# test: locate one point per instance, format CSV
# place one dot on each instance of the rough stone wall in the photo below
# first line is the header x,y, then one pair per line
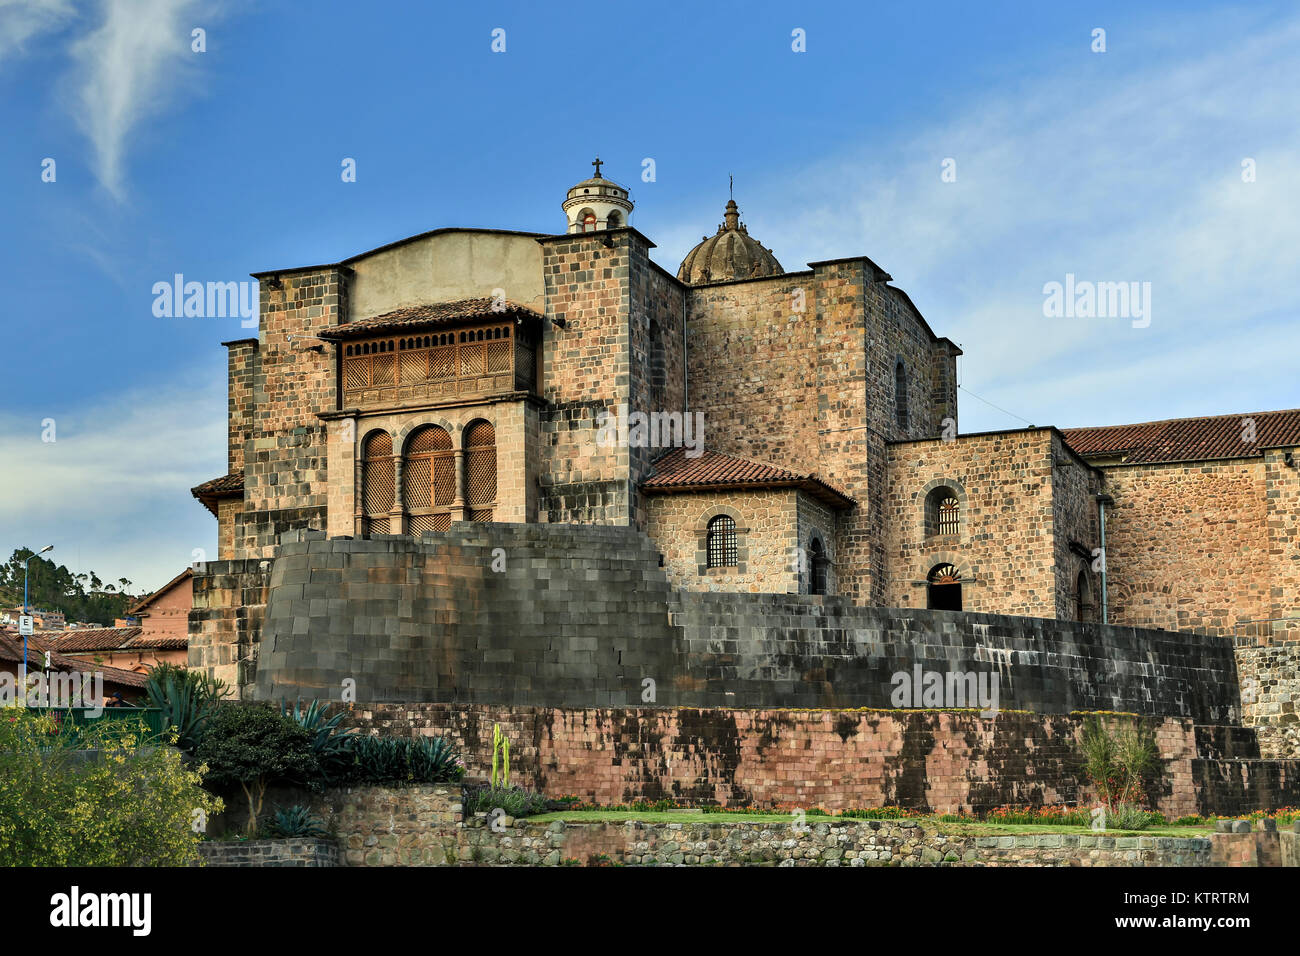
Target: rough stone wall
x,y
656,323
1282,496
298,851
225,624
816,520
586,371
941,762
1005,549
285,462
766,535
1269,667
1075,485
1187,545
228,512
433,620
242,369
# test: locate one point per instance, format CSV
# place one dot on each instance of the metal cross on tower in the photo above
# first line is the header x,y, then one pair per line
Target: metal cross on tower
x,y
597,164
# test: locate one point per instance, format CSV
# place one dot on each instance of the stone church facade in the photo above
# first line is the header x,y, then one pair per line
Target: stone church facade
x,y
466,374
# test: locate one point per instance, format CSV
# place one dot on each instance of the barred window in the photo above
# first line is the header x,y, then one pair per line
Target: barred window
x,y
480,470
722,542
942,512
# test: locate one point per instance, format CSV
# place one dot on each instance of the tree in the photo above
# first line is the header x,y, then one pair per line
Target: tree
x,y
103,794
253,746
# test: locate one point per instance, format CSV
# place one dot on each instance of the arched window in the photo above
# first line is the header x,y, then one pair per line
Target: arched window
x,y
943,588
378,487
1083,596
480,470
588,221
428,480
900,395
942,512
820,566
614,221
722,542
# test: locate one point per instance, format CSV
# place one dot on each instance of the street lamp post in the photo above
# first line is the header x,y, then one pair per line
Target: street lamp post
x,y
22,684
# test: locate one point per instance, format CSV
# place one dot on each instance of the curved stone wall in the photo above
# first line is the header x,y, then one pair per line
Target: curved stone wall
x,y
583,616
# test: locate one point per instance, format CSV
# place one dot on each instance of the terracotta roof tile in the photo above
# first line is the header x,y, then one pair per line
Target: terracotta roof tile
x,y
1187,439
94,639
227,486
11,652
711,470
438,313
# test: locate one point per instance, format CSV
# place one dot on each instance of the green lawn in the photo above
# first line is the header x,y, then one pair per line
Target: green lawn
x,y
956,829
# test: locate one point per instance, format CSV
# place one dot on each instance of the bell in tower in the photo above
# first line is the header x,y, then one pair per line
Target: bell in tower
x,y
597,203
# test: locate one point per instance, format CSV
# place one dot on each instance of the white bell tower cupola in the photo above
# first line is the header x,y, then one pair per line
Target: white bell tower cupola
x,y
597,203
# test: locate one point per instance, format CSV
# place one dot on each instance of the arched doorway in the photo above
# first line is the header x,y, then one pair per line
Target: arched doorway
x,y
943,588
1083,597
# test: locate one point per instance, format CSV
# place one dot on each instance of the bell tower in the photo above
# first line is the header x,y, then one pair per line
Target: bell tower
x,y
597,203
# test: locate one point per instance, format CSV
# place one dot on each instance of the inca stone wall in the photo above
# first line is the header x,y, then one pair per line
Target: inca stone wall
x,y
1268,663
225,622
433,620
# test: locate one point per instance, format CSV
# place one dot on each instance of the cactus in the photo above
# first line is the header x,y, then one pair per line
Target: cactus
x,y
501,750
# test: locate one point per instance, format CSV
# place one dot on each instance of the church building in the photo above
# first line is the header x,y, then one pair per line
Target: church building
x,y
804,434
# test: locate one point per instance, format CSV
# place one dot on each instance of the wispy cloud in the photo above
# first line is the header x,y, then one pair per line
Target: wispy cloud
x,y
129,68
1114,169
112,487
23,20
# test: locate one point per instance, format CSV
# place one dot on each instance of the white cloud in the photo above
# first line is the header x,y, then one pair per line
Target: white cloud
x,y
24,20
111,492
128,69
1119,169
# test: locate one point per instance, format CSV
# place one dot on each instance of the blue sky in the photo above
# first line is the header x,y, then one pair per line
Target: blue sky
x,y
1117,166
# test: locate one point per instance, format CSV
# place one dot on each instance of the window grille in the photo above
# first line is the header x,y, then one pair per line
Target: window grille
x,y
722,542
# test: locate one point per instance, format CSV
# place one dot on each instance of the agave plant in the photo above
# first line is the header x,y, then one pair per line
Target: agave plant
x,y
295,821
186,699
332,746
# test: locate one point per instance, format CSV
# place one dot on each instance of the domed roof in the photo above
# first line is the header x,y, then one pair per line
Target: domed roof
x,y
731,253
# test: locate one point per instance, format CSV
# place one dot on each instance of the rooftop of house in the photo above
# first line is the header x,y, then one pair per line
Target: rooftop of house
x,y
1189,439
677,472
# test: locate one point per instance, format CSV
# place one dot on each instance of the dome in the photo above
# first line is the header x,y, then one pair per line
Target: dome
x,y
731,253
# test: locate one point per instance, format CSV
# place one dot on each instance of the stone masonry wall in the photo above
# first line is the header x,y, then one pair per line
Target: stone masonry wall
x,y
285,462
766,535
1187,545
1269,666
1005,550
941,762
225,622
435,620
586,370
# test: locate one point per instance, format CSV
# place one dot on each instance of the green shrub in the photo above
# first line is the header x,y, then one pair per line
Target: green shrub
x,y
403,760
295,821
515,801
186,698
1118,761
1128,816
332,746
252,746
99,794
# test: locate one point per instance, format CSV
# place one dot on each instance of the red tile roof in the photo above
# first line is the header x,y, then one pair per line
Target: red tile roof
x,y
227,486
1188,439
94,639
420,316
675,472
11,652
